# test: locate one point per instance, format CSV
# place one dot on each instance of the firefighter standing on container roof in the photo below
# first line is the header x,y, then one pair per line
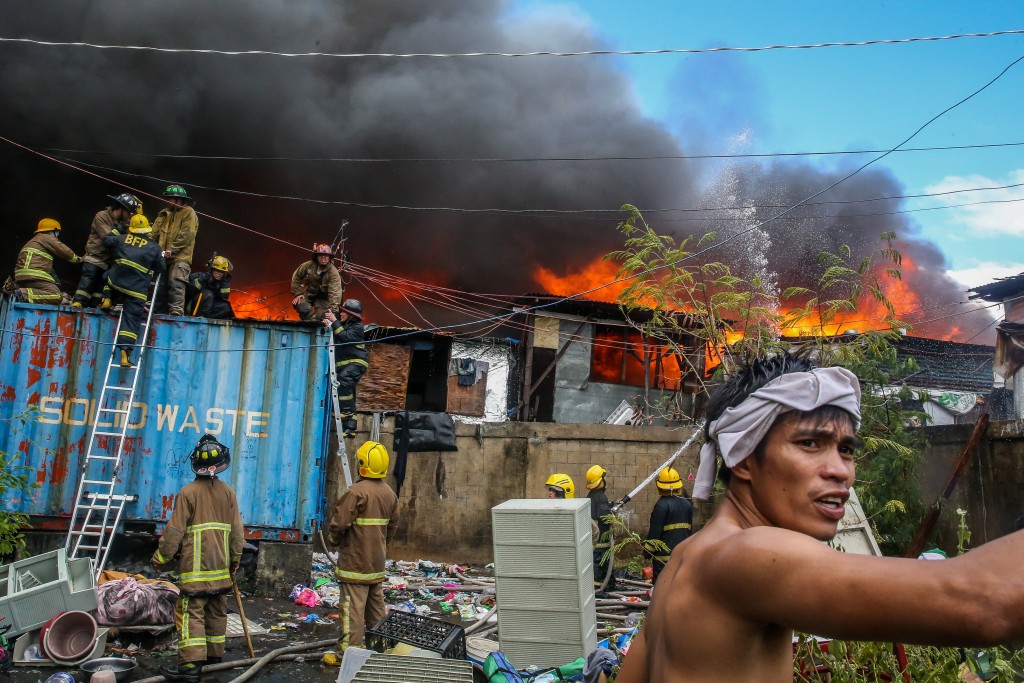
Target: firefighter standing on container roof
x,y
175,228
363,522
316,285
350,358
136,258
33,271
207,293
96,260
671,518
205,528
600,507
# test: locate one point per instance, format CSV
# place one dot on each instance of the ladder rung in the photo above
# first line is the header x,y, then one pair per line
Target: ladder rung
x,y
98,481
115,497
101,433
122,411
114,387
95,507
88,547
101,457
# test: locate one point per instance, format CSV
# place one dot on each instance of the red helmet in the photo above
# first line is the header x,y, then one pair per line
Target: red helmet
x,y
321,248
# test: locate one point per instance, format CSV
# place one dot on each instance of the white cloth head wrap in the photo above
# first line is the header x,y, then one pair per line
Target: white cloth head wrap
x,y
740,429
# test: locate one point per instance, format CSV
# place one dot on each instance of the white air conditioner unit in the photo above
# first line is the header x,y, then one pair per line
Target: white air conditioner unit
x,y
622,415
544,578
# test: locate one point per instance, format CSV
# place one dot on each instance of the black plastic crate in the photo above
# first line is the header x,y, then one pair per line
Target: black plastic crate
x,y
419,631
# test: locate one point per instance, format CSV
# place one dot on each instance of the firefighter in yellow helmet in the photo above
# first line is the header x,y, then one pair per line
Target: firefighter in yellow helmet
x,y
671,518
33,271
600,507
363,522
560,486
137,258
207,293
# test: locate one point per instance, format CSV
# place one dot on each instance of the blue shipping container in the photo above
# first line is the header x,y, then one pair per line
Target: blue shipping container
x,y
260,387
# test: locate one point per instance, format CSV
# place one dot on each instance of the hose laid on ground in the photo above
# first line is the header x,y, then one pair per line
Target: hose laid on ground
x,y
284,654
481,621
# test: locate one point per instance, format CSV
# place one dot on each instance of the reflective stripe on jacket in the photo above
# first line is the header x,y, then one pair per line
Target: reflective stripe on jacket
x,y
35,260
348,343
135,258
671,520
206,530
363,522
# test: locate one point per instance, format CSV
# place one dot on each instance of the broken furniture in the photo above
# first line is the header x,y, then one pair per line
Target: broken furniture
x,y
38,588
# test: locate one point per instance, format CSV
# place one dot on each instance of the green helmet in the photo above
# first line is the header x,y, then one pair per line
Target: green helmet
x,y
178,192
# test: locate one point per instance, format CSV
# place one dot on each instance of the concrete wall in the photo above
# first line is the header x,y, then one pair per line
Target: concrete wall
x,y
990,490
446,499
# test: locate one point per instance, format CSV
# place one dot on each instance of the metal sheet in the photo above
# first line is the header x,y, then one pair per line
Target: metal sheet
x,y
259,387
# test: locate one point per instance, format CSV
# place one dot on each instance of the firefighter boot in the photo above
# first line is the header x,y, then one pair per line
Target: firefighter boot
x,y
77,305
126,358
182,673
331,659
106,304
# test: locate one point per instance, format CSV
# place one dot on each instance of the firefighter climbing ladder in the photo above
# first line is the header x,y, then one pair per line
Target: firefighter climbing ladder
x,y
339,428
98,509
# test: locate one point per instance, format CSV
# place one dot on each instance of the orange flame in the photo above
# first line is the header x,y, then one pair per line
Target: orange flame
x,y
259,304
593,275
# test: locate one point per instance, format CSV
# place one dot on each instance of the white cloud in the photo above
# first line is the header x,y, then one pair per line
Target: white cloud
x,y
985,272
984,220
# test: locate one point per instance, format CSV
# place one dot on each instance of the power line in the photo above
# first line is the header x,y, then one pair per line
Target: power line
x,y
448,55
405,160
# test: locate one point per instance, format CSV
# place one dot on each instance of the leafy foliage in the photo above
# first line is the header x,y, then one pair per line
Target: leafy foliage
x,y
710,301
14,479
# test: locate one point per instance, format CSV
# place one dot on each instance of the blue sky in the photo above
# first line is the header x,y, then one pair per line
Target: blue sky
x,y
848,98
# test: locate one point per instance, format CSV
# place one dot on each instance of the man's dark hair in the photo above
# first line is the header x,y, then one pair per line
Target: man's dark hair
x,y
751,377
1019,524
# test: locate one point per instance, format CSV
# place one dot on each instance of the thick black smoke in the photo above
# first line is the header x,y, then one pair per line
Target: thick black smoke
x,y
126,108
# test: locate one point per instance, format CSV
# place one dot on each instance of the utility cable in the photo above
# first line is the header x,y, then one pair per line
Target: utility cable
x,y
576,53
408,160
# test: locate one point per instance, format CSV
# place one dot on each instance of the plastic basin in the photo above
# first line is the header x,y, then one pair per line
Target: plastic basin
x,y
70,637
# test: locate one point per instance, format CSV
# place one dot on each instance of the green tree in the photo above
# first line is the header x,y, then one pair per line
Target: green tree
x,y
712,302
14,479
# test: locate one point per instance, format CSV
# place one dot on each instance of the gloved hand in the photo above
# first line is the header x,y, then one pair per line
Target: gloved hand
x,y
329,317
297,300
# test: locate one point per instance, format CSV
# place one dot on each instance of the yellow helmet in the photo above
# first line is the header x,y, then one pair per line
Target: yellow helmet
x,y
139,224
595,476
373,460
48,225
563,482
668,480
220,263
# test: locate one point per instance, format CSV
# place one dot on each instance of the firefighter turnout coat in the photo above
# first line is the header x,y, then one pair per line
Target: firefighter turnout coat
x,y
102,225
308,279
35,260
349,348
363,522
205,529
176,230
135,258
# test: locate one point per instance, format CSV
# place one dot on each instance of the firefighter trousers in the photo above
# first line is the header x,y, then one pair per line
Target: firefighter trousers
x,y
90,286
39,290
202,621
177,279
133,313
361,606
348,377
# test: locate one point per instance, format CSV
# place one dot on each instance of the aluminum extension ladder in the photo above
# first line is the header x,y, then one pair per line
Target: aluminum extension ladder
x,y
338,427
98,510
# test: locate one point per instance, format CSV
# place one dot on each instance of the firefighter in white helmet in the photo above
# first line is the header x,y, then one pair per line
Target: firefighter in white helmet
x,y
316,284
363,522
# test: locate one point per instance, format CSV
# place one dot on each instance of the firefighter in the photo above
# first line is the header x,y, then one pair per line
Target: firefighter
x,y
176,227
350,358
205,529
671,518
207,293
600,507
96,260
136,257
363,522
33,272
560,486
316,285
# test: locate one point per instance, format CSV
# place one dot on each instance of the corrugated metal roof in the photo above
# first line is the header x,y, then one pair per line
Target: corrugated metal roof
x,y
259,387
948,365
1001,289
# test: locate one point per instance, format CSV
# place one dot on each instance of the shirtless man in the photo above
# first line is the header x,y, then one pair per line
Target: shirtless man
x,y
730,597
